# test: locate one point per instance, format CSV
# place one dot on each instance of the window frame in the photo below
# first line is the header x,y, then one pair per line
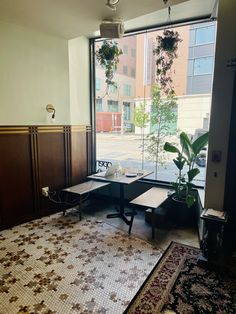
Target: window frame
x,y
205,73
203,43
127,104
127,90
92,41
98,84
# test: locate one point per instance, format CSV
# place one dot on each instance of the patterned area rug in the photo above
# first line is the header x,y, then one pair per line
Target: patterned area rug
x,y
178,285
62,265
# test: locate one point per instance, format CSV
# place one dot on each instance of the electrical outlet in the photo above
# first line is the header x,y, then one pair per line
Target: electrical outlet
x,y
45,191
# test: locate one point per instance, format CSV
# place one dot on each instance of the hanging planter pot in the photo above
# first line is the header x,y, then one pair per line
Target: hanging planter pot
x,y
166,52
169,41
108,57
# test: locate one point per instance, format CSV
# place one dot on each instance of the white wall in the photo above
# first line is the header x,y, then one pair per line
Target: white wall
x,y
79,80
34,72
192,109
221,103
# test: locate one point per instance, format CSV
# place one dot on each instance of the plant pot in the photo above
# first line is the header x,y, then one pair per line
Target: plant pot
x,y
180,213
168,43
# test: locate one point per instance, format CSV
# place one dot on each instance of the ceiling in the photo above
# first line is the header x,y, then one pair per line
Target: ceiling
x,y
73,18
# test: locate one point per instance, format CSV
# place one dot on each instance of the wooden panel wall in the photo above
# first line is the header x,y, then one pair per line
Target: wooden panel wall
x,y
79,164
33,157
16,183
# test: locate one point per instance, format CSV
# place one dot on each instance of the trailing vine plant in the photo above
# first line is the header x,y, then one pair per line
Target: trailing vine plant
x,y
163,114
166,53
108,57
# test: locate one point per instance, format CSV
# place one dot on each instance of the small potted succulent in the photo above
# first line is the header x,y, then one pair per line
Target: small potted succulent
x,y
108,57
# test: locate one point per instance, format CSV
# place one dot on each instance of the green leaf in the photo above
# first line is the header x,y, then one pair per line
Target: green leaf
x,y
179,163
190,185
186,144
171,148
190,200
192,174
175,186
200,142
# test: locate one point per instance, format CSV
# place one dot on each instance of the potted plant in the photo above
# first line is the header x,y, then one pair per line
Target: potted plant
x,y
184,195
166,52
108,57
169,41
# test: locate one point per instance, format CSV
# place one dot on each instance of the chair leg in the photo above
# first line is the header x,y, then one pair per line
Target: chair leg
x,y
64,205
131,220
153,223
80,208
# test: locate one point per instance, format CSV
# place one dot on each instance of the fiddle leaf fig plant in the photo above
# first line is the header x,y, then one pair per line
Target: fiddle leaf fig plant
x,y
186,155
108,57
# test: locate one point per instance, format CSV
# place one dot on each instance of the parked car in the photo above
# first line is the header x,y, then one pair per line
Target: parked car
x,y
201,158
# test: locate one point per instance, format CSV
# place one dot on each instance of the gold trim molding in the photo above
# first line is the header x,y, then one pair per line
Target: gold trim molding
x,y
14,130
44,129
78,128
50,129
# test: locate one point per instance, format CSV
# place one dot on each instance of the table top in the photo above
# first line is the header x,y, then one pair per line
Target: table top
x,y
86,187
122,178
151,198
222,219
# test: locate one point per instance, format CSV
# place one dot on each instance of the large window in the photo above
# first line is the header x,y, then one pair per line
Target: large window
x,y
113,106
99,105
205,35
113,89
133,122
98,83
125,49
126,110
125,69
127,90
203,66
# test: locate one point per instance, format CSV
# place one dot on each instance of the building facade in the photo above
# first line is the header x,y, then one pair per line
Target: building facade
x,y
192,74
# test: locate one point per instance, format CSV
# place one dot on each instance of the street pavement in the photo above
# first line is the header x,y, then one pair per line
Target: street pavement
x,y
126,149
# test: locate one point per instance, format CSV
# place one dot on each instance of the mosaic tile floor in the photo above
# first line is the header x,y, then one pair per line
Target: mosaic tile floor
x,y
62,265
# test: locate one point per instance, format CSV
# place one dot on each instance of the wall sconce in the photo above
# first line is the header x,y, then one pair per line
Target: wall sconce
x,y
50,108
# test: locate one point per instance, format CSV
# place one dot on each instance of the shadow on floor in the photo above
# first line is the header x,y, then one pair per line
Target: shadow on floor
x,y
100,208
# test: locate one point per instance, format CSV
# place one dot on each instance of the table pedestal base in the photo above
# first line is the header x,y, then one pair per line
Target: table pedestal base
x,y
122,216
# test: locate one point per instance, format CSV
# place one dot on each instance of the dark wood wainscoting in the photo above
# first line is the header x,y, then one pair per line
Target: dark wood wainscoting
x,y
32,157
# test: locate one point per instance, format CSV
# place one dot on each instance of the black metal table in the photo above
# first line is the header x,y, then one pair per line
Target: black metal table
x,y
122,180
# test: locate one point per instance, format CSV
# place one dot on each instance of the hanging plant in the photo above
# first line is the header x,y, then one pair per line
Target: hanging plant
x,y
169,42
108,57
166,52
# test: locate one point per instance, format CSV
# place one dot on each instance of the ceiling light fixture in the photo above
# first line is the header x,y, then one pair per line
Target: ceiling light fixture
x,y
111,4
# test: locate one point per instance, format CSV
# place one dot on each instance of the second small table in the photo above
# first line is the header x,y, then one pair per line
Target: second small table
x,y
84,188
152,198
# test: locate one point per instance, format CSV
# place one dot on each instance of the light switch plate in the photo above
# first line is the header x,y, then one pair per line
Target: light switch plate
x,y
216,156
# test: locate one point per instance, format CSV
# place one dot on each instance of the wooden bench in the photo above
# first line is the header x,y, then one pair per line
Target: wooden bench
x,y
82,189
152,198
